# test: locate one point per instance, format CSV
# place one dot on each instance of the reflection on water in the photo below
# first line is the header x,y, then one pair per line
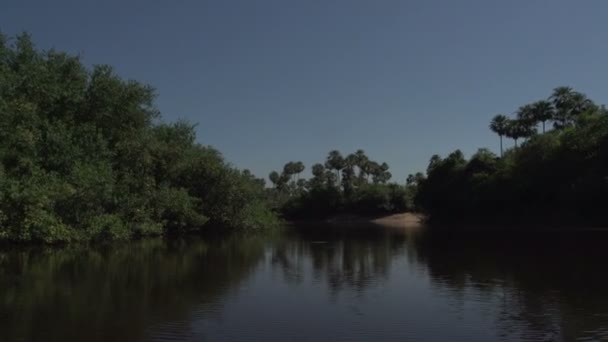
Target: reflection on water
x,y
354,283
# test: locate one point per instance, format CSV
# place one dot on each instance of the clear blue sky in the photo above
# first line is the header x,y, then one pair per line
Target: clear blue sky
x,y
273,81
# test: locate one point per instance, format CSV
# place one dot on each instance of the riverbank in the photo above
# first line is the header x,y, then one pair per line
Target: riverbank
x,y
393,220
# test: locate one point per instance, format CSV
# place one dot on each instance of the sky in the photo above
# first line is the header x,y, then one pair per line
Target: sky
x,y
272,81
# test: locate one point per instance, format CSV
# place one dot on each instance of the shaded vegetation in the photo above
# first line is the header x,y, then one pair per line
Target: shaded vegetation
x,y
353,184
558,176
84,156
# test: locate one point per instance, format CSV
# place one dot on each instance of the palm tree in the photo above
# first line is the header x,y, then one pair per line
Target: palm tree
x,y
371,168
318,170
361,161
580,103
381,173
335,161
568,104
519,129
562,99
348,172
298,167
274,178
289,170
525,113
498,125
542,111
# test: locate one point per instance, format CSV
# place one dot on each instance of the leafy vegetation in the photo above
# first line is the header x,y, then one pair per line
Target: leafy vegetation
x,y
84,156
351,184
557,176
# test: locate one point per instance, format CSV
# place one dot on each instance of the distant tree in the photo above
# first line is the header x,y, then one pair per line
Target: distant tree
x,y
335,162
433,163
413,179
542,111
381,174
274,178
568,105
525,114
517,129
371,168
499,125
298,168
289,170
318,170
362,163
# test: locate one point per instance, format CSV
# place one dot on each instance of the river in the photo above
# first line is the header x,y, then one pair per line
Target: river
x,y
314,284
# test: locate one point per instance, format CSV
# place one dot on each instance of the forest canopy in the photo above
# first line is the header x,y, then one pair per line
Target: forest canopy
x,y
84,155
549,176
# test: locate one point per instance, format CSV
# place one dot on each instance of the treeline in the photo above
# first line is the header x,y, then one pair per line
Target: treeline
x,y
557,175
84,156
351,184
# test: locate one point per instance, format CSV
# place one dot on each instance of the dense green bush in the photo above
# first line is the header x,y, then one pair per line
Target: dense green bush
x,y
84,156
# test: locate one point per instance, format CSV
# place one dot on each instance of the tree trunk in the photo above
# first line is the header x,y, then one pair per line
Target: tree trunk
x,y
501,146
515,143
543,127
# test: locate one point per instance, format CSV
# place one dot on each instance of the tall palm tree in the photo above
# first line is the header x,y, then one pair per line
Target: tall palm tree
x,y
335,161
542,111
526,113
318,170
498,125
581,103
298,167
562,99
289,170
568,104
517,129
274,178
362,162
371,168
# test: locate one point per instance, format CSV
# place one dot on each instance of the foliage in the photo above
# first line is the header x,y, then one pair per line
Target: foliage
x,y
559,176
342,185
84,156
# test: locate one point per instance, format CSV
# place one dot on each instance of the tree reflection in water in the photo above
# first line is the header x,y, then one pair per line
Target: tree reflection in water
x,y
118,292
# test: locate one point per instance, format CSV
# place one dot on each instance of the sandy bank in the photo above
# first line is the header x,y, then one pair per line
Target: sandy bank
x,y
394,220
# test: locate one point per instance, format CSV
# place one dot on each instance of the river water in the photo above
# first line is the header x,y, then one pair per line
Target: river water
x,y
313,284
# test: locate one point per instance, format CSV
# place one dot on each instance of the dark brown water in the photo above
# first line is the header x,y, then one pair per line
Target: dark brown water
x,y
318,285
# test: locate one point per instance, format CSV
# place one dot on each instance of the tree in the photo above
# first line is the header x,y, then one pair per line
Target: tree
x,y
434,162
371,168
274,178
362,163
381,174
499,125
568,104
517,129
348,172
335,162
289,170
542,111
84,157
414,179
298,168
